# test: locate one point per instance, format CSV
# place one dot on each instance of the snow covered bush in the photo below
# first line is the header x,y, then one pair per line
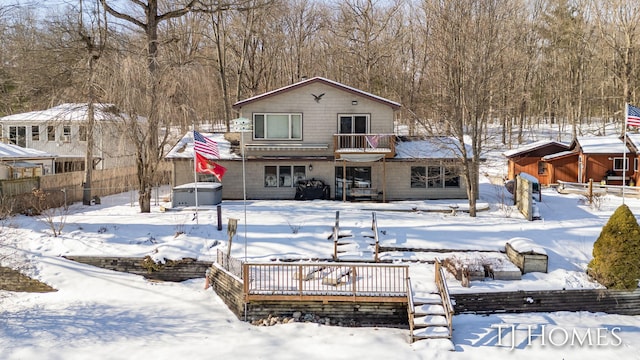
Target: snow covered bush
x,y
616,252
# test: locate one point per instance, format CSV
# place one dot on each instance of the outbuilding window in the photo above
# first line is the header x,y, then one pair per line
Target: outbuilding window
x,y
620,163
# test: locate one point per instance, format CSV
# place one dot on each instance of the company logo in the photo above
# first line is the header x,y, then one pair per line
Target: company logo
x,y
512,336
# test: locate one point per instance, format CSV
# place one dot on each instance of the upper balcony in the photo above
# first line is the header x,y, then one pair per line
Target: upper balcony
x,y
375,146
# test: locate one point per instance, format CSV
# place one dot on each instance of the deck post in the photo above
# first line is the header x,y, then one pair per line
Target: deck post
x,y
336,235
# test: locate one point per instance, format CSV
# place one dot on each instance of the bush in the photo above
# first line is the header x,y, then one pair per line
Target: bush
x,y
616,252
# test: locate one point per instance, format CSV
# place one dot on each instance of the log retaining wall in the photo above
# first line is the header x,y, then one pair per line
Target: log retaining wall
x,y
592,300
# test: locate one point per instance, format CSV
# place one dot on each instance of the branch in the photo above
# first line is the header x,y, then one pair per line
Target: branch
x,y
178,12
122,16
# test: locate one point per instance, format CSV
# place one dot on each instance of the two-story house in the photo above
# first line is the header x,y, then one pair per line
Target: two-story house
x,y
62,130
324,130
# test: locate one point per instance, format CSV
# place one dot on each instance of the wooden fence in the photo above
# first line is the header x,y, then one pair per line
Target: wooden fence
x,y
590,188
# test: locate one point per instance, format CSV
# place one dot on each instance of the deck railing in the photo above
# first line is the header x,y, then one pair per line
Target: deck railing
x,y
325,280
365,143
441,283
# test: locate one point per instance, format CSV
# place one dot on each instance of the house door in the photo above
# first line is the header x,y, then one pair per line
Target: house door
x,y
356,177
351,124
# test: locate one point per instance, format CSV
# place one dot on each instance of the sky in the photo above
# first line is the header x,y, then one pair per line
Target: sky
x,y
109,315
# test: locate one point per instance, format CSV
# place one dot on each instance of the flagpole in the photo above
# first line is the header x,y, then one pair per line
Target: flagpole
x,y
195,171
624,150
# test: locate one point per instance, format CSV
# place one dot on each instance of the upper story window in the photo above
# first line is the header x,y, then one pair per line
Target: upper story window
x,y
66,133
353,124
51,133
35,133
82,133
18,135
277,126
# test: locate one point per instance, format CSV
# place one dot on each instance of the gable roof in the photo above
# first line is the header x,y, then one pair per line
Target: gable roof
x,y
322,80
10,152
66,112
534,146
600,144
634,139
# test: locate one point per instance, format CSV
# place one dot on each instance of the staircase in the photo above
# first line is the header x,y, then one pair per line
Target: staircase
x,y
429,320
360,244
430,313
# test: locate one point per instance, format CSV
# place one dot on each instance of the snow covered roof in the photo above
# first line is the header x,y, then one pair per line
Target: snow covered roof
x,y
601,144
534,146
10,151
526,246
335,84
559,154
184,147
66,112
634,139
440,147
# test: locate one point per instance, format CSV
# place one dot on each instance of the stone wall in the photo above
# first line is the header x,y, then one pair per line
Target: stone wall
x,y
178,270
12,280
389,314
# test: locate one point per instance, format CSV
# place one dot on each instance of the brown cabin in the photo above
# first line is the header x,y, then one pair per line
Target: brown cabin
x,y
600,158
529,159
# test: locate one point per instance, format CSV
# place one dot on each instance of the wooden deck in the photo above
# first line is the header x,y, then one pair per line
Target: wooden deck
x,y
325,281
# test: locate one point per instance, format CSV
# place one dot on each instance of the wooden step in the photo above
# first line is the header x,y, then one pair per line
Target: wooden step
x,y
432,332
429,320
426,298
428,309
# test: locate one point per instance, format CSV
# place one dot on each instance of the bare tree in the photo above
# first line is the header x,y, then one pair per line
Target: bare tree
x,y
94,36
368,34
618,22
468,38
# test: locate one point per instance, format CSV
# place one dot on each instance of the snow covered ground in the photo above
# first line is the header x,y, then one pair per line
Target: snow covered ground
x,y
108,315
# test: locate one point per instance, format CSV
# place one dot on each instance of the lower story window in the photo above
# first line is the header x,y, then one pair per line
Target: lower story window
x,y
283,175
434,177
418,177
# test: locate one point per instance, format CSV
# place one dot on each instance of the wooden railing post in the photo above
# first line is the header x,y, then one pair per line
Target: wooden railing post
x,y
374,227
336,234
354,278
245,279
300,279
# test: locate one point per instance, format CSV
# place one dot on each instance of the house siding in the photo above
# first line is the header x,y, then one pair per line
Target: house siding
x,y
564,169
320,119
398,179
113,148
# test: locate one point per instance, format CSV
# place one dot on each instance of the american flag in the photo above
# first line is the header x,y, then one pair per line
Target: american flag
x,y
205,146
633,115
